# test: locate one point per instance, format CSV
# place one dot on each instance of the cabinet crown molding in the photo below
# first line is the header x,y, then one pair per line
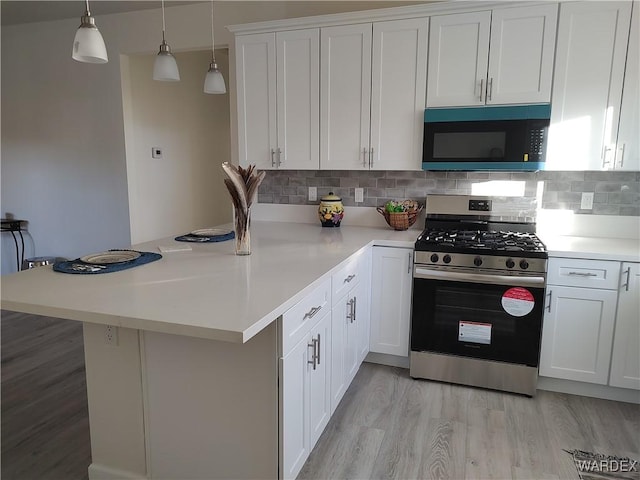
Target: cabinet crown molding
x,y
383,14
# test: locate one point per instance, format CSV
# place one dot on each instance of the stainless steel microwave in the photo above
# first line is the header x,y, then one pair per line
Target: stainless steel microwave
x,y
512,138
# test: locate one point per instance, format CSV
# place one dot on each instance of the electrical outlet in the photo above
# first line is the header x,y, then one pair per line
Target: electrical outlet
x,y
359,195
156,152
586,203
111,335
313,194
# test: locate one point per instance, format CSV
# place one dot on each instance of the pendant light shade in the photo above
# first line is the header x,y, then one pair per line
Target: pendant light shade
x,y
88,45
165,68
214,81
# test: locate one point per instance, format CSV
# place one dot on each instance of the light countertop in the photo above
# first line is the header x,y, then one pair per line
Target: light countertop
x,y
594,248
207,292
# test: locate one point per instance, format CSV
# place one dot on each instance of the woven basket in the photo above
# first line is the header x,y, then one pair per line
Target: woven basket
x,y
400,220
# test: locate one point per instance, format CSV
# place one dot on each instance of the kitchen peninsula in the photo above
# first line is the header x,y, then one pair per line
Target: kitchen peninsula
x,y
190,387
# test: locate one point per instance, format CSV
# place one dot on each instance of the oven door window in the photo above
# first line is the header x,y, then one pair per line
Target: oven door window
x,y
493,322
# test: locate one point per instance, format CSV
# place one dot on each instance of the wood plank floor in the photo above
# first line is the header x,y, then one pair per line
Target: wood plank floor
x,y
45,420
388,426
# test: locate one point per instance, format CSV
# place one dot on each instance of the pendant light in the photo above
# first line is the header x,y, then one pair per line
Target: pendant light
x,y
88,45
165,68
214,81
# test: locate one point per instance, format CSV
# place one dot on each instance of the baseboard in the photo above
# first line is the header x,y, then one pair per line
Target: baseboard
x,y
102,472
386,359
589,390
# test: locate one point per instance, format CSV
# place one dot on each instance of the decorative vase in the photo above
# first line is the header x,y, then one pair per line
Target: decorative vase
x,y
243,232
331,210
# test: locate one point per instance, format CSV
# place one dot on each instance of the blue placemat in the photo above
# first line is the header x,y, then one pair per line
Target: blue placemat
x,y
189,237
83,268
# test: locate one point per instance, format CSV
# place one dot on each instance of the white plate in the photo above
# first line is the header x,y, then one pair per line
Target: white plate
x,y
210,232
112,256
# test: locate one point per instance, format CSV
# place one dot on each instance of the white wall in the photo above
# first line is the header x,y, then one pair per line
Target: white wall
x,y
63,136
183,190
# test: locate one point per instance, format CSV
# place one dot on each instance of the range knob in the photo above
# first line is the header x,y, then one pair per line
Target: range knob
x,y
446,259
524,264
477,261
510,263
434,257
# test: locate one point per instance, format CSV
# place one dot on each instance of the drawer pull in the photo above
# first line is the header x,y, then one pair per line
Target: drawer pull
x,y
626,284
349,278
582,274
312,312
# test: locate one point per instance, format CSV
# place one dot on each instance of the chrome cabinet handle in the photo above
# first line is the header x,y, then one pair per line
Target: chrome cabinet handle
x,y
605,156
481,88
409,266
279,156
312,312
351,313
364,157
314,355
354,308
582,274
371,157
549,304
626,284
318,345
490,88
621,148
273,159
349,278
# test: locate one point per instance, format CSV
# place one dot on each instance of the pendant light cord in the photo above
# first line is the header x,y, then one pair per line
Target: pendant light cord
x,y
88,12
163,25
213,45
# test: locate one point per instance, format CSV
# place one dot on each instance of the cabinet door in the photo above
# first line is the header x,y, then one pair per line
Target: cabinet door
x,y
363,306
294,408
577,333
256,87
628,146
625,361
320,380
398,89
351,344
522,42
345,97
458,58
587,87
298,99
391,284
339,320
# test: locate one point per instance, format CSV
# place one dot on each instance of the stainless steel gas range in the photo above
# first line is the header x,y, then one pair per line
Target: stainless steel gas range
x,y
478,296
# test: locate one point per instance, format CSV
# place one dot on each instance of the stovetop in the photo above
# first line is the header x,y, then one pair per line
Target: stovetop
x,y
485,242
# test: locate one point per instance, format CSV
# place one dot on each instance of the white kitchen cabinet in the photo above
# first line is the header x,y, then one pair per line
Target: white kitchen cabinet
x,y
305,369
504,56
349,322
587,88
278,99
372,92
628,144
391,286
625,361
577,334
364,308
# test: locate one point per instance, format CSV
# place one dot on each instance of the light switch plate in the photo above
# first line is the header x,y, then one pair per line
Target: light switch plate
x,y
586,203
359,195
313,194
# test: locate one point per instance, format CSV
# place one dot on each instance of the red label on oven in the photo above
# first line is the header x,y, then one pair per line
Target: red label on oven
x,y
518,301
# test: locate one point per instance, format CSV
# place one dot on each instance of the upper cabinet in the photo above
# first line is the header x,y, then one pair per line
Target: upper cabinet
x,y
372,94
504,56
587,89
277,80
628,146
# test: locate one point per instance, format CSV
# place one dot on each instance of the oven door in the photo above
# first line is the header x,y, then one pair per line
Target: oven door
x,y
482,316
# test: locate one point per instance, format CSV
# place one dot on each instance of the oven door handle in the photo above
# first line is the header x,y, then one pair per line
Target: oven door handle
x,y
478,278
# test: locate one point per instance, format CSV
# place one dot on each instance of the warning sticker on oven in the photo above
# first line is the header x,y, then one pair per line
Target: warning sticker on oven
x,y
474,332
518,301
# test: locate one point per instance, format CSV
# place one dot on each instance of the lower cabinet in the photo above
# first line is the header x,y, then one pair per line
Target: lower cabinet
x,y
305,402
625,361
391,284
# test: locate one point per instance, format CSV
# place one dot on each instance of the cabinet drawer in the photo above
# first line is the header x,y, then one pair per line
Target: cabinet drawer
x,y
346,278
298,320
574,272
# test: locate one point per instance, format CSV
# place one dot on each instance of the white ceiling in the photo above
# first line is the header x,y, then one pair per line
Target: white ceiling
x,y
24,11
